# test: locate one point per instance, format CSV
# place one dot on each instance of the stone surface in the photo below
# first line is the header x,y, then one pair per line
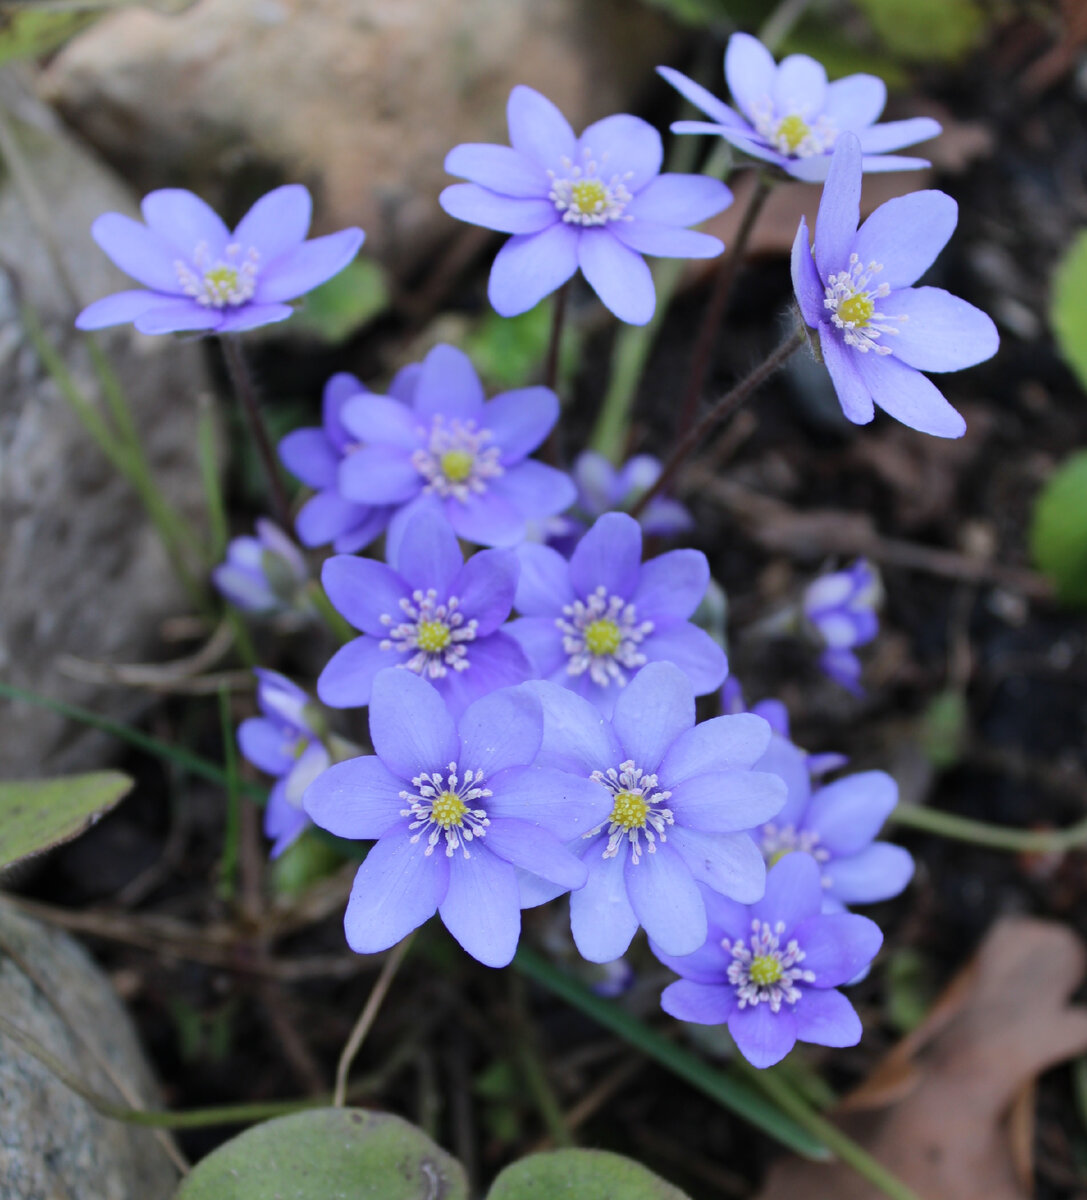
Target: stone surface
x,y
53,1145
359,99
81,571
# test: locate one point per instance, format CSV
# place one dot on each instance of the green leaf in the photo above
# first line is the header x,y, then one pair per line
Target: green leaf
x,y
328,1154
1068,314
584,1174
40,813
943,728
1058,536
926,30
25,33
507,350
338,309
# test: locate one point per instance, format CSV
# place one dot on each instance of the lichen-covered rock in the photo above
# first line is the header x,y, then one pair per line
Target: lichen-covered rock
x,y
360,99
53,1145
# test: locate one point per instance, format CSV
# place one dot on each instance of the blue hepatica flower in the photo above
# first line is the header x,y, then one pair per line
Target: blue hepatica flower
x,y
444,442
597,203
429,612
592,623
283,743
678,799
841,610
262,574
456,808
877,332
771,969
201,276
790,116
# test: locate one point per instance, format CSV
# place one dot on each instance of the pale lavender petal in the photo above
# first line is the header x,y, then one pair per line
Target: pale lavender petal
x,y
427,553
535,850
535,490
727,801
265,745
530,267
277,222
359,798
499,168
337,391
378,475
710,962
665,241
535,891
541,641
396,889
503,729
448,386
672,585
909,397
837,946
878,872
538,129
763,1037
791,765
184,221
841,361
575,737
729,863
692,650
941,332
720,744
381,420
307,454
800,86
844,667
485,586
701,98
310,765
368,523
848,813
905,235
728,918
283,823
701,1003
666,900
478,206
651,712
410,725
794,892
543,588
564,804
839,208
626,146
495,662
876,163
826,1018
893,135
601,918
306,266
488,519
618,276
325,517
363,591
482,908
608,556
855,102
807,286
750,71
746,141
520,420
182,316
348,676
680,199
404,382
253,316
666,518
120,308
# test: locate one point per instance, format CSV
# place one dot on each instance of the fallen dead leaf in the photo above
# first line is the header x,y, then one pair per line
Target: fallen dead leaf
x,y
944,1110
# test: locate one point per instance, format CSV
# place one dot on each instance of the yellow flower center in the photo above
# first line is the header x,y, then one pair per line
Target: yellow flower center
x,y
432,636
221,281
448,810
857,310
602,637
778,855
629,810
457,465
765,969
792,131
589,196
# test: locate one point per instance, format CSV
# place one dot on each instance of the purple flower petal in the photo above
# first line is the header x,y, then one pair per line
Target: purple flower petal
x,y
807,286
893,135
264,744
427,554
543,588
520,420
826,1018
666,900
750,71
720,744
535,490
908,396
727,801
499,168
848,813
526,845
503,729
496,662
564,804
794,892
309,766
374,475
307,454
665,241
396,889
608,556
364,591
651,712
277,222
339,389
941,332
379,420
359,799
530,267
487,520
485,586
479,206
790,764
368,524
841,362
701,1003
892,162
576,737
482,908
120,308
855,102
729,863
905,235
253,316
348,676
692,650
306,266
601,919
183,316
837,946
710,962
626,146
539,638
538,129
878,872
800,86
618,276
327,516
701,98
839,208
448,386
763,1037
283,823
410,725
672,585
184,221
673,199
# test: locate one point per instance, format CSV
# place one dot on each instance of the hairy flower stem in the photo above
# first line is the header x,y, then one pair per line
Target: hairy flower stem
x,y
718,302
724,408
242,383
551,365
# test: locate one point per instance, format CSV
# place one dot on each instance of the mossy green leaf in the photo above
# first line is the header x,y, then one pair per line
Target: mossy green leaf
x,y
584,1174
26,33
1058,535
328,1154
37,814
338,309
926,30
944,726
1068,313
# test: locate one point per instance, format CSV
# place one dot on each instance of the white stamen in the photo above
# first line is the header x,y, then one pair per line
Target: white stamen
x,y
848,285
461,443
792,133
224,282
606,616
441,628
584,197
634,785
431,790
765,945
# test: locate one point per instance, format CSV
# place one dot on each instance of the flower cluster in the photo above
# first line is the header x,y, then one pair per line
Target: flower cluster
x,y
840,610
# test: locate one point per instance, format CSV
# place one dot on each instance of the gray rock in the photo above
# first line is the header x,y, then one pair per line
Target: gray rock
x,y
53,1145
360,99
81,570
